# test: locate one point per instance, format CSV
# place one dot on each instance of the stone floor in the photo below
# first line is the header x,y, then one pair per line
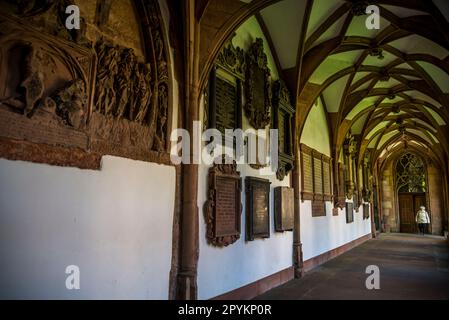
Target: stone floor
x,y
411,267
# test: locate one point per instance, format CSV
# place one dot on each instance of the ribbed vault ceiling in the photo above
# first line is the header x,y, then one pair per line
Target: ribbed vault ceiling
x,y
389,86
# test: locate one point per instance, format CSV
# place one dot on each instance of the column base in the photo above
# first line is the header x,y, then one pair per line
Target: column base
x,y
187,287
298,260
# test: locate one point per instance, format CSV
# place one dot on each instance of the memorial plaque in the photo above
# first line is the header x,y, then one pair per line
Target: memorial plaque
x,y
307,173
349,212
366,211
317,176
257,86
224,101
318,208
283,120
257,208
327,179
226,105
224,110
223,208
356,201
283,209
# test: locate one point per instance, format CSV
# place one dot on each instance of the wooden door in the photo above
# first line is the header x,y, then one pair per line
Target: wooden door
x,y
407,213
420,200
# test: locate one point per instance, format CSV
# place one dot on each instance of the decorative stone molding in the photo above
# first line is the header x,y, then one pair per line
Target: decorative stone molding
x,y
258,86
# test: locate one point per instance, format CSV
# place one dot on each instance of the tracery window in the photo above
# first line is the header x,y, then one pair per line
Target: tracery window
x,y
410,174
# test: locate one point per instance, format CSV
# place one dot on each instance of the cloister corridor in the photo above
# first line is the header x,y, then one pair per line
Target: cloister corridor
x,y
411,267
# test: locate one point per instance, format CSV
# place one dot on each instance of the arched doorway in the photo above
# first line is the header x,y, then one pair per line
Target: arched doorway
x,y
411,187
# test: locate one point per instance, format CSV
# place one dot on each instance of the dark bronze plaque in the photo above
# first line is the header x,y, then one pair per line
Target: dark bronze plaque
x,y
366,211
283,209
223,208
226,105
224,110
349,212
258,208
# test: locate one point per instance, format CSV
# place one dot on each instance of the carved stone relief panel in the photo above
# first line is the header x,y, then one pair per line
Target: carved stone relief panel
x,y
283,121
131,102
63,88
257,208
223,208
46,86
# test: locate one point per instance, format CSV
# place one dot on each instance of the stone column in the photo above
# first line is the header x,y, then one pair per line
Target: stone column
x,y
187,277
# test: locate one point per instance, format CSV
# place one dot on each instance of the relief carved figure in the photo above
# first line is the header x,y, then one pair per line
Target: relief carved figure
x,y
116,97
40,87
31,87
105,93
70,103
162,119
132,93
124,87
143,93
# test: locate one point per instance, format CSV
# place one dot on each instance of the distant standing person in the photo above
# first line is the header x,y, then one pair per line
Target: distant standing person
x,y
422,219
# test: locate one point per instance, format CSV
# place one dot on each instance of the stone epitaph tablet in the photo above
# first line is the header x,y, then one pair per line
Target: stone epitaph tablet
x,y
257,208
327,178
223,208
349,212
283,209
307,173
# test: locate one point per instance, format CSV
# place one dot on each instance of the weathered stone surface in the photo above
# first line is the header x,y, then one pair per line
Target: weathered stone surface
x,y
53,155
94,89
